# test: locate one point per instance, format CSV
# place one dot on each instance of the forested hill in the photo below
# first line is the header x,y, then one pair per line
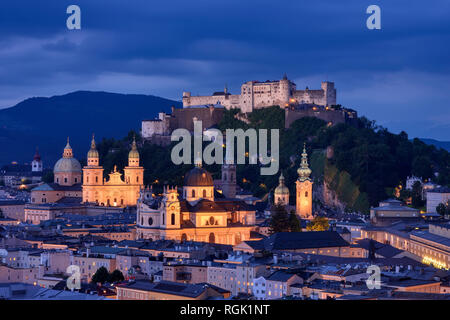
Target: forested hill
x,y
46,122
367,164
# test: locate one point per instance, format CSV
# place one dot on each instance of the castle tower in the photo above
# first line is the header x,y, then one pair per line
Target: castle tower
x,y
171,209
36,164
304,188
329,93
229,180
92,173
134,174
67,170
281,193
285,90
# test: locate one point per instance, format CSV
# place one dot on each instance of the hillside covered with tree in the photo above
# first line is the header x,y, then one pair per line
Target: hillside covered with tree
x,y
368,161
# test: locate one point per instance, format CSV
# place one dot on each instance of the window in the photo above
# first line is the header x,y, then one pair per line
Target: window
x,y
193,193
204,193
306,193
137,179
65,179
150,221
172,218
96,179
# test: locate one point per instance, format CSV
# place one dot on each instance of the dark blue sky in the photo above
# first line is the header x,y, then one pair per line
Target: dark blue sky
x,y
398,76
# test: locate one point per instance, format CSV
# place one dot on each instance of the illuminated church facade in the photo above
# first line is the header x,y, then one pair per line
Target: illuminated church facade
x,y
195,215
303,192
115,191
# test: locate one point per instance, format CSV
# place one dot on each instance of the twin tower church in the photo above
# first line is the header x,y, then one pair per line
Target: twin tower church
x,y
198,213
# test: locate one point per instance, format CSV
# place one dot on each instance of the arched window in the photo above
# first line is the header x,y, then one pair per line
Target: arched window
x,y
150,221
142,221
96,179
172,218
193,193
137,179
306,193
204,193
212,238
183,237
76,180
87,179
65,180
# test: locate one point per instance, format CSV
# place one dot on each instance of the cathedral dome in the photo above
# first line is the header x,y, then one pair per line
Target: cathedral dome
x,y
67,165
198,177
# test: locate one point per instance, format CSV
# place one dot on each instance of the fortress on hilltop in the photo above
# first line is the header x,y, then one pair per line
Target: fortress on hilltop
x,y
318,103
257,95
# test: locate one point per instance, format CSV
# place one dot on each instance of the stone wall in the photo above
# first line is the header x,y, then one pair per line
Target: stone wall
x,y
329,115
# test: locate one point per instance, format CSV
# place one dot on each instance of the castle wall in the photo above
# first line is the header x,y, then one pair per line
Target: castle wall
x,y
229,101
330,116
154,127
183,118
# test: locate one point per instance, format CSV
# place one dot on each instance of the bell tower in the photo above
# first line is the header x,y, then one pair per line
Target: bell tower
x,y
171,208
92,175
229,180
304,188
134,174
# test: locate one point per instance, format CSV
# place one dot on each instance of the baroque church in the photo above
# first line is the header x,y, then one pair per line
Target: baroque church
x,y
115,191
87,185
303,194
198,214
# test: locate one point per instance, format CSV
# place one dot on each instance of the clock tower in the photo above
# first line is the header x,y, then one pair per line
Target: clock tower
x,y
304,188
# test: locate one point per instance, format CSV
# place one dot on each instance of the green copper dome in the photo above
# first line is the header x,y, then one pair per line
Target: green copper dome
x,y
93,153
134,154
304,171
281,189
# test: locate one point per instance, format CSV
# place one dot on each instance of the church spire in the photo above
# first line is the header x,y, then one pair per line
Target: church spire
x,y
304,171
133,155
93,155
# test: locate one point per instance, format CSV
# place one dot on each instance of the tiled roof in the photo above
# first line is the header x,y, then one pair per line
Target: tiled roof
x,y
304,240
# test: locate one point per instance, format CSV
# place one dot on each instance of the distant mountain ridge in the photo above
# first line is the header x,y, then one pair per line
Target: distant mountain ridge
x,y
439,144
47,122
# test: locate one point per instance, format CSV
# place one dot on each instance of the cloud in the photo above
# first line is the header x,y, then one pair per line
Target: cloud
x,y
163,48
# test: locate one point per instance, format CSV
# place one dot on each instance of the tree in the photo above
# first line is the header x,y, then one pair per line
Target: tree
x,y
416,195
318,224
48,177
101,275
116,276
279,219
294,222
443,209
